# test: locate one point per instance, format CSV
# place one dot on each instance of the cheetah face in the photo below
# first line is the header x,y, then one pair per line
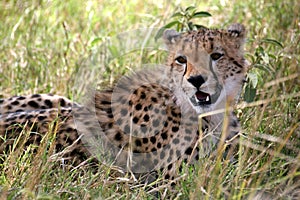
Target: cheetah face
x,y
209,65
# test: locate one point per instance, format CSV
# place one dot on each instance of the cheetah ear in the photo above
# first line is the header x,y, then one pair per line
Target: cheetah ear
x,y
171,37
238,33
237,30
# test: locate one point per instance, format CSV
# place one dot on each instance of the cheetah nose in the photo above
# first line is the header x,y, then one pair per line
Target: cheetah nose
x,y
196,81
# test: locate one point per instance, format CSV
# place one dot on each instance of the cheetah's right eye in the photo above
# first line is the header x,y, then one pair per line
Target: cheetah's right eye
x,y
216,56
181,60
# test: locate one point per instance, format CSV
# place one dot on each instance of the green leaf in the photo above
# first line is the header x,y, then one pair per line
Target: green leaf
x,y
178,14
272,41
253,79
263,67
250,93
201,14
114,51
96,40
169,25
162,29
190,8
266,58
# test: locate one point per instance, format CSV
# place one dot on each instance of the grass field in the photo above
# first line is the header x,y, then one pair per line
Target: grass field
x,y
43,46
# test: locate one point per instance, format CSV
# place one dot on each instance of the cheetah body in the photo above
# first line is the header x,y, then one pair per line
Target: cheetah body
x,y
149,120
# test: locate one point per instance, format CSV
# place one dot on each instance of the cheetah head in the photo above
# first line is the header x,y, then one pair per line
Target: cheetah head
x,y
209,65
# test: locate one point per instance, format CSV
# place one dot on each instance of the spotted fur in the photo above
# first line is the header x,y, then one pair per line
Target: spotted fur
x,y
149,120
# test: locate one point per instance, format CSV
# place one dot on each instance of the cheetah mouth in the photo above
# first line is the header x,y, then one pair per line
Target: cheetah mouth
x,y
202,98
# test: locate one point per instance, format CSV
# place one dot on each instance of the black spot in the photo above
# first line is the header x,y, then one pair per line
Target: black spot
x,y
174,113
234,123
143,95
164,135
8,107
155,123
69,129
105,102
144,128
138,143
166,124
146,118
136,151
158,145
33,104
62,102
48,103
135,120
170,166
197,157
29,116
130,102
127,129
1,100
119,121
236,63
19,110
187,138
110,125
43,107
178,154
176,141
154,100
153,150
118,136
175,128
167,176
138,106
35,96
15,103
22,116
87,123
21,98
41,117
23,105
146,108
145,140
110,115
153,139
39,99
189,151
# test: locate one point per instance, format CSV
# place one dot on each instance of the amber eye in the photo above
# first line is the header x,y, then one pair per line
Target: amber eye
x,y
180,60
216,56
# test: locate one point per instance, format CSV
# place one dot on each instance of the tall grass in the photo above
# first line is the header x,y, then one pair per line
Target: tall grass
x,y
44,42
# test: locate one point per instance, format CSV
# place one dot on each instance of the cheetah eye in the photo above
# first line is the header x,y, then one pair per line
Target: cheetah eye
x,y
181,60
216,56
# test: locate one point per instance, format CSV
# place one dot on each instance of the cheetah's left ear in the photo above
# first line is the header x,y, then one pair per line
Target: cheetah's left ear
x,y
238,32
171,37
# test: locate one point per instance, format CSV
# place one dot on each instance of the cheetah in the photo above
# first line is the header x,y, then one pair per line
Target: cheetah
x,y
149,120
